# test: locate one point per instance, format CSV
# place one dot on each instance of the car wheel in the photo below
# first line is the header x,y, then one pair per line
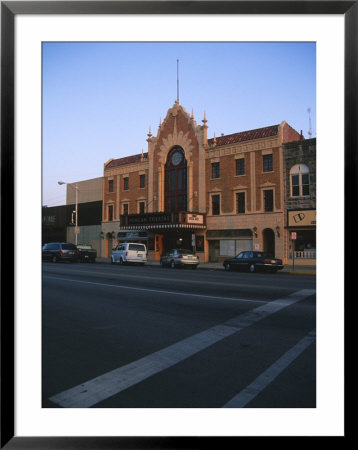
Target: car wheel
x,y
172,265
227,267
54,259
252,268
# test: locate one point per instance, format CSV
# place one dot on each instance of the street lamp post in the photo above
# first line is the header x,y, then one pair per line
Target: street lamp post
x,y
76,207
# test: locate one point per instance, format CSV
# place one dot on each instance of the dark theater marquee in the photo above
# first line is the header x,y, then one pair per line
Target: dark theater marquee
x,y
163,220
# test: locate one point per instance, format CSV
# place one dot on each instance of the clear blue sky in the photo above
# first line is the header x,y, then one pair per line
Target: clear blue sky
x,y
99,99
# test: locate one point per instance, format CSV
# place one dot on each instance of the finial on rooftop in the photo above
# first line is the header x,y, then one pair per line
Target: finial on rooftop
x,y
177,100
192,113
204,120
149,133
214,140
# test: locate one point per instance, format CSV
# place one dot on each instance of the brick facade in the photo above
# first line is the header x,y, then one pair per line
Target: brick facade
x,y
241,210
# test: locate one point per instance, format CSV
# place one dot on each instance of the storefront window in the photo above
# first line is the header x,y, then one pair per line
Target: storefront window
x,y
304,245
227,247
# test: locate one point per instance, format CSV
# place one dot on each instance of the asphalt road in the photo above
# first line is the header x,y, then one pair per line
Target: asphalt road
x,y
147,337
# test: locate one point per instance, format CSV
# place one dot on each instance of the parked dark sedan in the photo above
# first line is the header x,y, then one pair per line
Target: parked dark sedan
x,y
86,253
60,251
254,261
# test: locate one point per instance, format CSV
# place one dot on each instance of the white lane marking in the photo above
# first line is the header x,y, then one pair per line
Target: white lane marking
x,y
188,281
111,383
157,291
268,376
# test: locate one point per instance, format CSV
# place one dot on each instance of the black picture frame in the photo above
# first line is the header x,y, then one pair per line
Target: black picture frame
x,y
9,9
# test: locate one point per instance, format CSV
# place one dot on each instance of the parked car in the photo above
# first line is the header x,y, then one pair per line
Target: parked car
x,y
60,251
129,253
86,253
179,257
253,261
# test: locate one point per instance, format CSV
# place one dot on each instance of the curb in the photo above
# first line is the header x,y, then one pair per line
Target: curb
x,y
202,267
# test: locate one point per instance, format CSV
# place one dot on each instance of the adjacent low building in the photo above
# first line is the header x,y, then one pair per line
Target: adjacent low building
x,y
58,222
300,200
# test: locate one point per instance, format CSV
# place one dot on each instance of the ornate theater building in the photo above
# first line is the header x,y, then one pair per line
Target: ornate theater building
x,y
215,196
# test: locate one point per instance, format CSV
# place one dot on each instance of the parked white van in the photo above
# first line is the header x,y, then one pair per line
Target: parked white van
x,y
129,253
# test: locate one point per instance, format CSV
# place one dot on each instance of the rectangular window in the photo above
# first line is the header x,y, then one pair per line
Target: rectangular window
x,y
305,184
110,185
141,181
300,185
215,170
268,200
240,166
215,204
240,203
295,185
126,183
125,208
267,163
141,207
110,213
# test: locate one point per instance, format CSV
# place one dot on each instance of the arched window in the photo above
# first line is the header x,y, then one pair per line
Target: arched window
x,y
300,180
176,180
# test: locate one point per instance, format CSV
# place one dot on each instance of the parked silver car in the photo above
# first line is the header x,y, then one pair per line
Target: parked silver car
x,y
179,257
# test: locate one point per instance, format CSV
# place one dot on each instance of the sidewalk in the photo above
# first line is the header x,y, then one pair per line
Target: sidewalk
x,y
296,270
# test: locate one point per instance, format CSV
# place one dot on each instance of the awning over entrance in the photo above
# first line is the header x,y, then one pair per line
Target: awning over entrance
x,y
163,221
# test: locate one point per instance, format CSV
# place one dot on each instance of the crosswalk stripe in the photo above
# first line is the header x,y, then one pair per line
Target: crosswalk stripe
x,y
267,377
111,383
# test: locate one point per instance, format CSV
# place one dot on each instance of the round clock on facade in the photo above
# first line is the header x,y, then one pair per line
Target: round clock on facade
x,y
176,158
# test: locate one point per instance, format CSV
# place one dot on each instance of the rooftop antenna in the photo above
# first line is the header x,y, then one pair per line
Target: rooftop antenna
x,y
177,80
309,120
